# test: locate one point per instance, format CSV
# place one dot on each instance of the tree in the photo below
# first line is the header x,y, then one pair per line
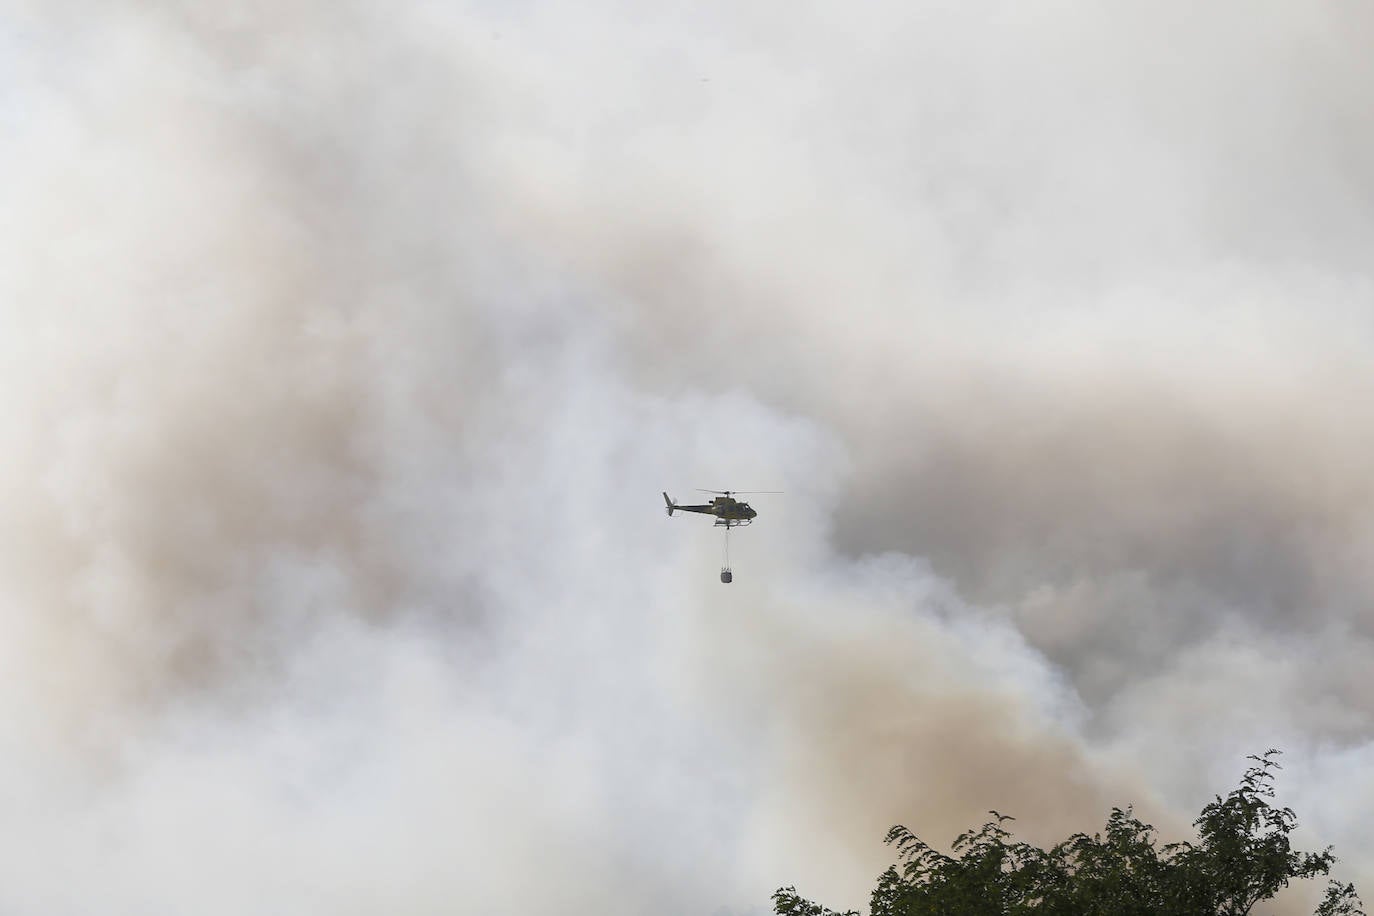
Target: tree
x,y
1242,856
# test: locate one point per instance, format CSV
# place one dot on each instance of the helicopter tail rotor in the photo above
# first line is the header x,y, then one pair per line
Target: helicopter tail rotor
x,y
671,505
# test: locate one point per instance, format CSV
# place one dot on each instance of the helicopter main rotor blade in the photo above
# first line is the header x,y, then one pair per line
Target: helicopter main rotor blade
x,y
729,492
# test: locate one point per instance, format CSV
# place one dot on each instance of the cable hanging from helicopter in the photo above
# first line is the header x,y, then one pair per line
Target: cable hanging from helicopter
x,y
726,575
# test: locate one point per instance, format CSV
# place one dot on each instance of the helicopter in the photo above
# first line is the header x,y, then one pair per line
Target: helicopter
x,y
729,513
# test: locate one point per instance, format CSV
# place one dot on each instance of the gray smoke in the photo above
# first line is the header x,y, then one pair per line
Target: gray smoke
x,y
346,349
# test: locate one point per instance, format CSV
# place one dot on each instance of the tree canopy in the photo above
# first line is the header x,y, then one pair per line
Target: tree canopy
x,y
1242,856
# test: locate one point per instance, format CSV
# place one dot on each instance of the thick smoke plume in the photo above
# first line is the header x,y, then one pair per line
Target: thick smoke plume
x,y
346,349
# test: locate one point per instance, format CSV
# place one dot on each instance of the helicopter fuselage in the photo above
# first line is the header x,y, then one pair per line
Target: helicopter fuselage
x,y
727,510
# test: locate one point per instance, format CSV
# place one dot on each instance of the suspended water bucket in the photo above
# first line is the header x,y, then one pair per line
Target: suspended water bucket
x,y
726,576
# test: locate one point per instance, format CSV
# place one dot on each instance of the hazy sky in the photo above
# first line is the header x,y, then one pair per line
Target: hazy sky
x,y
346,347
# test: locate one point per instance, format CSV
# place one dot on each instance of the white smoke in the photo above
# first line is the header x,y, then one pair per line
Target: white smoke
x,y
346,349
